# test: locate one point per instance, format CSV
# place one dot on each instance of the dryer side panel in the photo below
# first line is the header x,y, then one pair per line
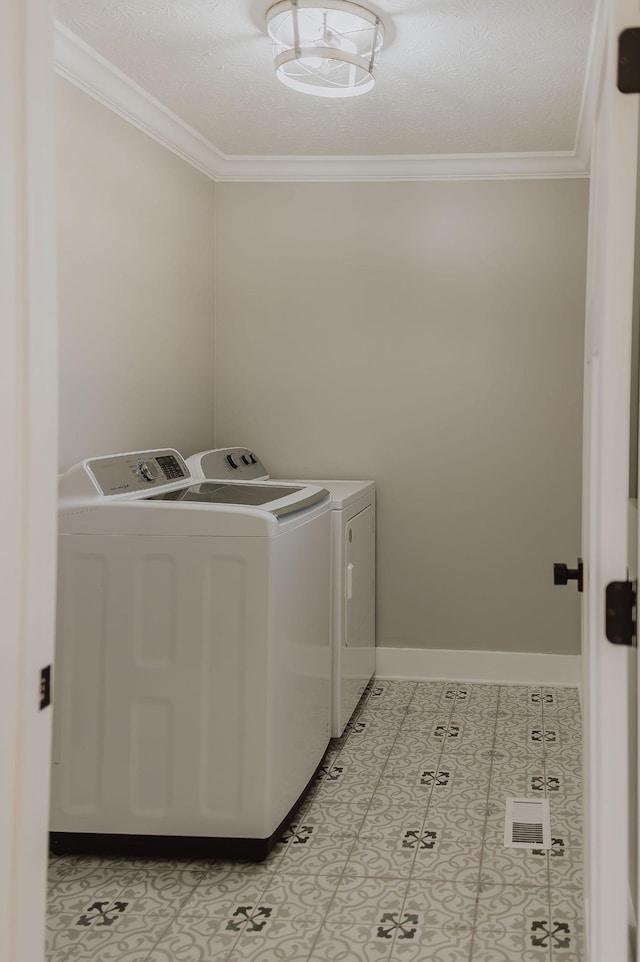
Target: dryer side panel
x,y
354,652
359,577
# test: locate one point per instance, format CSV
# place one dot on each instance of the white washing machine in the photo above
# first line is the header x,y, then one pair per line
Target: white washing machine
x,y
353,520
193,658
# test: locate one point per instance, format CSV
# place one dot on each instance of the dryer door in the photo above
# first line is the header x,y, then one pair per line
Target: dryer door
x,y
360,580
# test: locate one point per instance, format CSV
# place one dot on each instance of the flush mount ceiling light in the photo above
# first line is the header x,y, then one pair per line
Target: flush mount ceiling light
x,y
327,49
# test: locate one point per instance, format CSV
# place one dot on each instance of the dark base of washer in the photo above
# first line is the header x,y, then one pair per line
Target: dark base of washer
x,y
173,846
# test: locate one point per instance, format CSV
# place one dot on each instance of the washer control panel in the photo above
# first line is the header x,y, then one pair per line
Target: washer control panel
x,y
147,471
238,464
125,473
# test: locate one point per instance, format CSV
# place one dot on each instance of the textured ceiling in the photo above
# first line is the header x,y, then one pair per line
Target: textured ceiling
x,y
455,76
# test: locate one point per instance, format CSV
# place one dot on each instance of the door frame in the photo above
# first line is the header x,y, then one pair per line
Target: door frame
x,y
28,415
608,325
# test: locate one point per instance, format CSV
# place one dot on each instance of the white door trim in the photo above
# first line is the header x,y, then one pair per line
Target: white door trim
x,y
28,415
605,496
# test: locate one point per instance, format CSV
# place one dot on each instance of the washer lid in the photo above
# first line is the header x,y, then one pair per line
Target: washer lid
x,y
253,495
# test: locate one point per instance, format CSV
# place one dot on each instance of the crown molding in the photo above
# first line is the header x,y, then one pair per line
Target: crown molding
x,y
410,167
82,66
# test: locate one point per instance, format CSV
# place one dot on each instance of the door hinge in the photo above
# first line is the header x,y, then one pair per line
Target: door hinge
x,y
620,612
629,61
45,687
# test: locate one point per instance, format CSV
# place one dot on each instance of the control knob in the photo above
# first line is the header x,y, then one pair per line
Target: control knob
x,y
146,471
231,461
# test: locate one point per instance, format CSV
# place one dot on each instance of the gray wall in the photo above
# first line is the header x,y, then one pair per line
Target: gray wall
x,y
426,335
430,336
136,290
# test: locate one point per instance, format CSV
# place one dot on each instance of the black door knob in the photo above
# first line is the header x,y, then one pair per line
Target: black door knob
x,y
563,574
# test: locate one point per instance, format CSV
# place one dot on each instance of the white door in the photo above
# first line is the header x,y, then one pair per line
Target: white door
x,y
605,495
28,436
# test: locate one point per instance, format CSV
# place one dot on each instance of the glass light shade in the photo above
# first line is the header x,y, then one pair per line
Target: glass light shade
x,y
327,49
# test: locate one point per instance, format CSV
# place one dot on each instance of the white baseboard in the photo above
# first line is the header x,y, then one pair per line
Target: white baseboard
x,y
500,667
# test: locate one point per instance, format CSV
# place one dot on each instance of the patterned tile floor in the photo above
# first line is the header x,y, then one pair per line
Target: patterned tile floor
x,y
396,855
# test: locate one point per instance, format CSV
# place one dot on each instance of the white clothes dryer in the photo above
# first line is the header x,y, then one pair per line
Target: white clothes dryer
x,y
353,525
192,658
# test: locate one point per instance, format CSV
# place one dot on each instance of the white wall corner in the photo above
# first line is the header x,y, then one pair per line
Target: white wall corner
x,y
586,119
83,66
498,667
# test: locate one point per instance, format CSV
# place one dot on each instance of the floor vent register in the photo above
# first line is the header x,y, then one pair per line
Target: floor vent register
x,y
527,823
